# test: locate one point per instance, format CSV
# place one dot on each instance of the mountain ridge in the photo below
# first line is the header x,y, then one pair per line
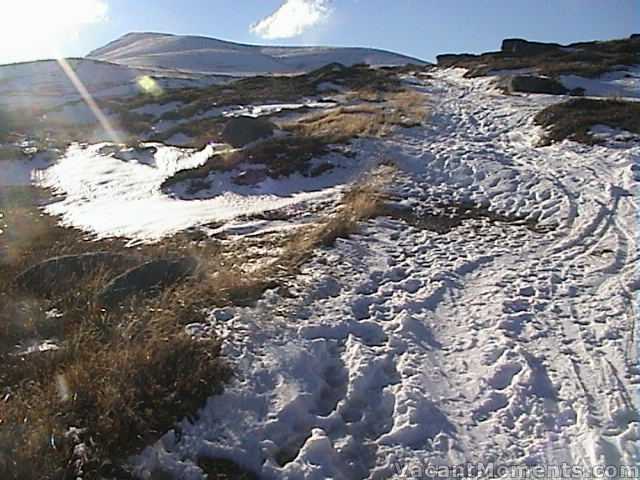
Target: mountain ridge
x,y
200,54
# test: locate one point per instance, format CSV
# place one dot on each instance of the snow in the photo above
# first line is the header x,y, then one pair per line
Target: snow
x,y
230,111
401,348
43,85
271,109
111,196
212,56
623,83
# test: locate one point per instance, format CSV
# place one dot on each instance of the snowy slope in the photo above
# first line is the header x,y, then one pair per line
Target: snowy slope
x,y
402,348
44,84
208,55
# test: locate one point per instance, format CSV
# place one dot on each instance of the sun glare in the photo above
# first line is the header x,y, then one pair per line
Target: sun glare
x,y
150,86
34,29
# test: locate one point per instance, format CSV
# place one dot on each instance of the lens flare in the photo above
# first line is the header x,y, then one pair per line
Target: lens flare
x,y
88,99
150,86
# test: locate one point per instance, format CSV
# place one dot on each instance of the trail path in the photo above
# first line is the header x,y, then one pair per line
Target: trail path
x,y
491,343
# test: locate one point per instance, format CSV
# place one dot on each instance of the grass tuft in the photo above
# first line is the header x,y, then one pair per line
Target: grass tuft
x,y
573,119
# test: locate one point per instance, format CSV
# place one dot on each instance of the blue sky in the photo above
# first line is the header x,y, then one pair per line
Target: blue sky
x,y
421,28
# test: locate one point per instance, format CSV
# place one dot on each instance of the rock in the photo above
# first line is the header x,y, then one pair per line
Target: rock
x,y
320,169
519,46
122,152
147,279
62,273
250,177
450,59
533,84
241,131
223,469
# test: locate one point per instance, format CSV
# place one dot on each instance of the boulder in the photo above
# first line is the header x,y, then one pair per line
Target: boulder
x,y
122,152
450,59
220,468
241,131
519,46
250,177
147,279
62,273
533,84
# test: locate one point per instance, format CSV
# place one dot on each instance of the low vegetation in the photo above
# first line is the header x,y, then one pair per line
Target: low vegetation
x,y
586,59
310,138
574,119
49,131
375,118
113,381
84,386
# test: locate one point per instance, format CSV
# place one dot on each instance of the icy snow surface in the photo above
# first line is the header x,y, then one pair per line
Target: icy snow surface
x,y
490,343
111,196
623,83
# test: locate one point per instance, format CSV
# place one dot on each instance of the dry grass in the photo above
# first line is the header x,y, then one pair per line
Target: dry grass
x,y
280,157
122,378
573,119
122,387
390,110
310,138
364,201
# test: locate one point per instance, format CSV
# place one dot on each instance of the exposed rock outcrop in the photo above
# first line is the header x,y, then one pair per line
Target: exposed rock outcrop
x,y
242,131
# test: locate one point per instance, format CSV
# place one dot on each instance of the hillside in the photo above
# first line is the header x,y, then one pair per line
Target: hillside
x,y
212,56
348,273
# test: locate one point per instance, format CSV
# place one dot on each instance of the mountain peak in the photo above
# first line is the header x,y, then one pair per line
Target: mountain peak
x,y
213,56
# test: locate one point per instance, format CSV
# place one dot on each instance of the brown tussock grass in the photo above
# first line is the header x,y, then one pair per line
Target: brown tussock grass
x,y
391,109
123,377
364,201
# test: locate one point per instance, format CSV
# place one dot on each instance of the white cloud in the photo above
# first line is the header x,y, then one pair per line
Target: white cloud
x,y
293,18
35,28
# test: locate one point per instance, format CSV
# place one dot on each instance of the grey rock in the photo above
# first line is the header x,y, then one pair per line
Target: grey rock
x,y
250,177
520,46
450,59
241,131
533,84
147,279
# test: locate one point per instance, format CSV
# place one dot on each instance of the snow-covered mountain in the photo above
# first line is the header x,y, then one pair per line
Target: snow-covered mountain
x,y
209,55
45,84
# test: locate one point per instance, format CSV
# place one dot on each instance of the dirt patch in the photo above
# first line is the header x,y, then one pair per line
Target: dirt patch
x,y
446,217
573,119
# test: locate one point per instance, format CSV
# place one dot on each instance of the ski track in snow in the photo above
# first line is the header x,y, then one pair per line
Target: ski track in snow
x,y
401,347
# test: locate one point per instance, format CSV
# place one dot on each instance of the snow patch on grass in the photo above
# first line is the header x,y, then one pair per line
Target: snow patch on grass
x,y
112,197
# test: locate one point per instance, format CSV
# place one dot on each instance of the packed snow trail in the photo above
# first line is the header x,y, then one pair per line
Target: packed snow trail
x,y
401,348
